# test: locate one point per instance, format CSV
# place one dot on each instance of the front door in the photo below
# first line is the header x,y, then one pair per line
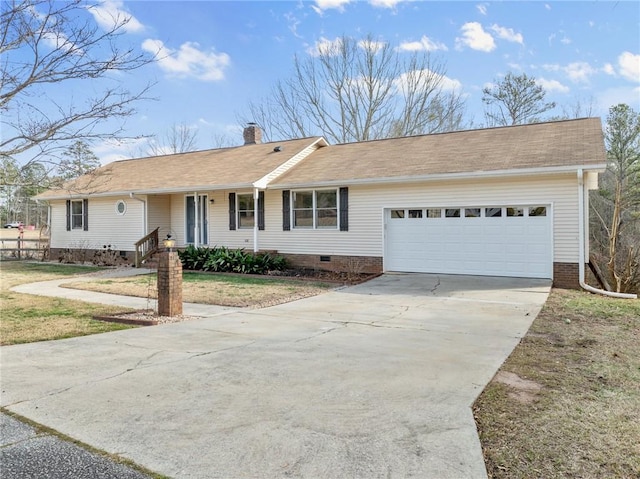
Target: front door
x,y
197,224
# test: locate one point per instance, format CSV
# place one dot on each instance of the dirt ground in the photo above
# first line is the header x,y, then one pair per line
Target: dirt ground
x,y
12,233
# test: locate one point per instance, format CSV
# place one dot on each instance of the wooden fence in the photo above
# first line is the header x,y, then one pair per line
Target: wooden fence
x,y
21,248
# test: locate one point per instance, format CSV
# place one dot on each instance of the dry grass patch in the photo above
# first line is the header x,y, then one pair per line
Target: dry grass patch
x,y
27,318
224,290
567,402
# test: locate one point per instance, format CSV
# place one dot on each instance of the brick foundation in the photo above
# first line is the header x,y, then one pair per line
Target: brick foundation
x,y
169,284
566,275
78,255
347,264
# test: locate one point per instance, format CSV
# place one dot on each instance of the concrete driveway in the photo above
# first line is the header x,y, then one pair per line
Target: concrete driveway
x,y
370,381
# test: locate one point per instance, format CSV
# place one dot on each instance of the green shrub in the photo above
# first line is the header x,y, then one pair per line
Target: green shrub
x,y
225,260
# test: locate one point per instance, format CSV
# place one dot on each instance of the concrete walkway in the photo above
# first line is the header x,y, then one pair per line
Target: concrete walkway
x,y
370,381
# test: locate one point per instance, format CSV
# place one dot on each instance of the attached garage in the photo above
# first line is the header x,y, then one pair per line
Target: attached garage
x,y
498,240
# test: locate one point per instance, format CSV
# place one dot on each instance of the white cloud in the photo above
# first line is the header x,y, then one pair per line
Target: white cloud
x,y
189,60
322,5
371,45
292,23
409,78
384,3
425,44
579,71
109,13
325,46
475,37
608,69
629,66
552,85
551,67
507,34
113,150
482,8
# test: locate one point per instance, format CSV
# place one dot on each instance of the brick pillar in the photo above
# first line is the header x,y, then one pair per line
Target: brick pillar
x,y
169,284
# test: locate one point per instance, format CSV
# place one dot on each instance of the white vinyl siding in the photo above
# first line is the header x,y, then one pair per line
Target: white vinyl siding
x,y
106,227
367,204
159,215
366,216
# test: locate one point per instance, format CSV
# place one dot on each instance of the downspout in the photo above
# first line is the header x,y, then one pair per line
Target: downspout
x,y
255,220
581,232
133,196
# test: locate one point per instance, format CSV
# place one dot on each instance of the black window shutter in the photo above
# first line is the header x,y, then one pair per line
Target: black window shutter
x,y
261,210
344,209
68,215
286,210
232,211
85,214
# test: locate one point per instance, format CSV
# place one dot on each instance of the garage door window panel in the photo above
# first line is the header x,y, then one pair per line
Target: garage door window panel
x,y
472,212
515,212
434,212
415,214
452,213
397,214
493,212
537,211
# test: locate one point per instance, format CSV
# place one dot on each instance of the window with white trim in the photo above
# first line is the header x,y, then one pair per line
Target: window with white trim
x,y
246,211
77,214
317,209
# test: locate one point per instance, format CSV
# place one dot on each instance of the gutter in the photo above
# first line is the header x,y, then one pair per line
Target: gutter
x,y
581,233
467,175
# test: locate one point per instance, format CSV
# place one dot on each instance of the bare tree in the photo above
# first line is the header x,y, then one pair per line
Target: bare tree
x,y
352,90
45,45
616,206
180,138
515,100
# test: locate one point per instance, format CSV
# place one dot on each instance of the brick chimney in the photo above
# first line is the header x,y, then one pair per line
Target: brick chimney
x,y
252,134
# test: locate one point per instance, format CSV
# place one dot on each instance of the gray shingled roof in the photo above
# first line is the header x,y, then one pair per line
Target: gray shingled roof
x,y
570,143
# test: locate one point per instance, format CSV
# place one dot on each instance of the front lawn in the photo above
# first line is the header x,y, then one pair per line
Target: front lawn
x,y
225,290
27,318
566,403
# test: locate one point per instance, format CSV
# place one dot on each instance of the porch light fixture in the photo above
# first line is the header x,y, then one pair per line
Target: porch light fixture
x,y
169,243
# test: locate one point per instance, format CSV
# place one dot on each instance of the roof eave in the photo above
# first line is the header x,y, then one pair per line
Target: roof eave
x,y
444,176
153,191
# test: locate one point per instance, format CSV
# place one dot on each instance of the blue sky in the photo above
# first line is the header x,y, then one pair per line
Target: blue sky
x,y
216,56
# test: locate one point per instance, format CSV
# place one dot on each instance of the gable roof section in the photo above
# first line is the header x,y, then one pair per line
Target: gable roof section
x,y
224,168
540,147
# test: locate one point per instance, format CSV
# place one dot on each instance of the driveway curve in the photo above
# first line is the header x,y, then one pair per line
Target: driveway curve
x,y
375,380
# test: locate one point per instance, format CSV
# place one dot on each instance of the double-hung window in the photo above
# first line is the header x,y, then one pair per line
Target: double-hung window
x,y
246,211
77,215
315,209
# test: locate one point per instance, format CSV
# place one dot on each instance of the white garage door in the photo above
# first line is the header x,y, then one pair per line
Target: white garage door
x,y
489,241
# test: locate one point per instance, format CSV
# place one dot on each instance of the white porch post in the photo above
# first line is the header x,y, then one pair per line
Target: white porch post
x,y
196,228
255,220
